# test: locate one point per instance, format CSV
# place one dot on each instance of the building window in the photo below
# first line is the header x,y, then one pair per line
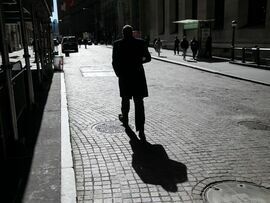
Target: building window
x,y
194,9
219,14
256,12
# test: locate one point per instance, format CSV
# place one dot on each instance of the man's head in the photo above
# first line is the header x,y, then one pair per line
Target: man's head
x,y
127,31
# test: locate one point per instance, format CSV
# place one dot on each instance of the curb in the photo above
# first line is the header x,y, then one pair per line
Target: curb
x,y
208,70
68,184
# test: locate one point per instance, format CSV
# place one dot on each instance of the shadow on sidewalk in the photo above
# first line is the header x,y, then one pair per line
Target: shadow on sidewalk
x,y
212,60
16,167
152,164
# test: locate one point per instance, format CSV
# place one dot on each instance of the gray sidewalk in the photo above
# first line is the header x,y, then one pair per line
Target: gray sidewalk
x,y
216,66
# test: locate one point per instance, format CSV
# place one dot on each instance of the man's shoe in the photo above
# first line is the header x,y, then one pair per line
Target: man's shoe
x,y
123,119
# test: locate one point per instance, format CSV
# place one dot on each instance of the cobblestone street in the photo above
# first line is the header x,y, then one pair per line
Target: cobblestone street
x,y
217,126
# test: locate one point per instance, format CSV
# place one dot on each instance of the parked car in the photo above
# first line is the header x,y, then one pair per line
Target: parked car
x,y
69,44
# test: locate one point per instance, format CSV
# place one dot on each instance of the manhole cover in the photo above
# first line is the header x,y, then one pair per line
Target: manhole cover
x,y
234,191
110,127
254,125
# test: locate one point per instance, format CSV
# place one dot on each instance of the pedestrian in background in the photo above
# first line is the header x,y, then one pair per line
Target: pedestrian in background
x,y
80,42
208,47
154,43
128,57
85,41
194,45
158,46
176,46
184,45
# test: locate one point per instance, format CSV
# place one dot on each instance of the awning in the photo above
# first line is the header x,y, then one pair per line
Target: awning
x,y
191,23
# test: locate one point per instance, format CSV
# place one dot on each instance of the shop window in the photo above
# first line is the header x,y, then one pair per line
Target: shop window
x,y
256,12
219,14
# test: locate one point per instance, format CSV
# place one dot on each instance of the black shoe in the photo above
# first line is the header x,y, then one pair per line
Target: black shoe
x,y
123,120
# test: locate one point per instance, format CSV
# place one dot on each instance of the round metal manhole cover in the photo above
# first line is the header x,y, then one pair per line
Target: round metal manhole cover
x,y
110,127
254,125
234,191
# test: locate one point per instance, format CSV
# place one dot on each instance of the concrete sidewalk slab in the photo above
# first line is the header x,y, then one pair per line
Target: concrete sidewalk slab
x,y
44,179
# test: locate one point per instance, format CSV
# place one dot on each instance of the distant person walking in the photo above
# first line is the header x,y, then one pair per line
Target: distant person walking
x,y
176,46
154,44
80,42
158,46
184,45
208,47
194,45
128,57
85,41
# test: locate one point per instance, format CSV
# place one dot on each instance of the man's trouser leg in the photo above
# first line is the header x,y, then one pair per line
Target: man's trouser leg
x,y
125,106
139,113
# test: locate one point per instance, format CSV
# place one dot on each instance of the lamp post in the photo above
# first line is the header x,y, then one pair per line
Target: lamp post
x,y
234,24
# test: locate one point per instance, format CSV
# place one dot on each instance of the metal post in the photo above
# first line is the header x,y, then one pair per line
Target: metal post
x,y
26,55
258,56
8,73
35,44
233,38
40,47
50,43
234,24
243,55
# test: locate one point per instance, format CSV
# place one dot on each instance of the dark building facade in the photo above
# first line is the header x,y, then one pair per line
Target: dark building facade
x,y
156,18
252,17
101,19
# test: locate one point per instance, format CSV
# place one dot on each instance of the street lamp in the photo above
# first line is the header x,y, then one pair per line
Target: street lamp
x,y
234,24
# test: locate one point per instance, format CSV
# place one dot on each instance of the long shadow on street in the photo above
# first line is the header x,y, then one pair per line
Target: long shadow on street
x,y
153,165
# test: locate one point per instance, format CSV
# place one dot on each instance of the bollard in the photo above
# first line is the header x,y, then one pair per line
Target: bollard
x,y
243,55
258,56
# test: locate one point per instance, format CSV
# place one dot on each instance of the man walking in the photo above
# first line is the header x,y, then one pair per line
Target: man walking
x,y
128,56
176,46
184,45
194,45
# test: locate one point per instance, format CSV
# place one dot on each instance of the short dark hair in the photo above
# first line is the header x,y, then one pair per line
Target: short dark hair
x,y
127,31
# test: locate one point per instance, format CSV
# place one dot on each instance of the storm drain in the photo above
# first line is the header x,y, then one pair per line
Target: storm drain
x,y
255,125
110,127
235,191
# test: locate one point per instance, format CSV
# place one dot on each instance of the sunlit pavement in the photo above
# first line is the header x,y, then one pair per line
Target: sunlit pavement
x,y
217,126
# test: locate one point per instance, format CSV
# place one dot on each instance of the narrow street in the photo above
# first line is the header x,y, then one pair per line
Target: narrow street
x,y
217,126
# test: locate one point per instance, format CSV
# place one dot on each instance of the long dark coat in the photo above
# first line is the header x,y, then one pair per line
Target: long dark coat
x,y
128,58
